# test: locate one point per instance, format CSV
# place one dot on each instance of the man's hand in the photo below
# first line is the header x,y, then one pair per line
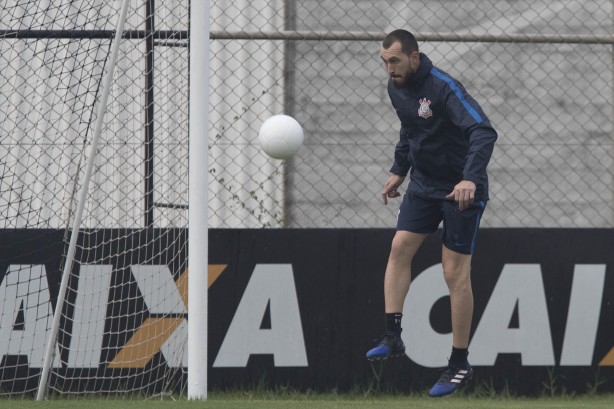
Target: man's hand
x,y
391,186
463,193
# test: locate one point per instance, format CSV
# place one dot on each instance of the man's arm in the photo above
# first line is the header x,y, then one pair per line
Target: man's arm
x,y
467,115
402,162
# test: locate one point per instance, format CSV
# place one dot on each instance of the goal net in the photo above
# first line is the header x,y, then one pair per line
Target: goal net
x,y
123,325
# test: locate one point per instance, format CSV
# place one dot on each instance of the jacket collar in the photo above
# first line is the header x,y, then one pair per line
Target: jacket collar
x,y
423,71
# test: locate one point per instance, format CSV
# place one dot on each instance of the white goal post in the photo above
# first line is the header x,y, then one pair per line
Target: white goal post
x,y
198,244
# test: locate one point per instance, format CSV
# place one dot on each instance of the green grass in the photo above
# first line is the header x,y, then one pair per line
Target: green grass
x,y
240,400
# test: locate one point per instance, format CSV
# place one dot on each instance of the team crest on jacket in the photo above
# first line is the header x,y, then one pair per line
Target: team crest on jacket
x,y
425,110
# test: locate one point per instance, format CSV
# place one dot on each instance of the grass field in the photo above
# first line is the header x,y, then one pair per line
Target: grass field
x,y
244,400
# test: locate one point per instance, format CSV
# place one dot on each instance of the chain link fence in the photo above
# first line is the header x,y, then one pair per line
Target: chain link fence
x,y
542,71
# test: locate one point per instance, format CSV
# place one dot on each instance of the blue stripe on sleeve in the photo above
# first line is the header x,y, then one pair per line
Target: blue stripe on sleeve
x,y
474,114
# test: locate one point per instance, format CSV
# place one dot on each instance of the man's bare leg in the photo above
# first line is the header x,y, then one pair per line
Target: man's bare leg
x,y
396,285
398,271
457,273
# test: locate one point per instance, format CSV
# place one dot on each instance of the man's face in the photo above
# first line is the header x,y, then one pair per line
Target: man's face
x,y
399,65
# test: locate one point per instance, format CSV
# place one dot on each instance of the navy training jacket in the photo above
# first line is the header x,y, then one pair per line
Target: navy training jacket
x,y
445,136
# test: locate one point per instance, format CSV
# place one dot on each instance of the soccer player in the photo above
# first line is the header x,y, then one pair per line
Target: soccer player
x,y
445,144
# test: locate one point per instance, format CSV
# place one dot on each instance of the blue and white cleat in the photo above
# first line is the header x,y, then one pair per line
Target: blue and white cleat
x,y
452,378
390,346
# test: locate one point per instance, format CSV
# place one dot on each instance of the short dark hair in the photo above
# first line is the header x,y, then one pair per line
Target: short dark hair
x,y
407,40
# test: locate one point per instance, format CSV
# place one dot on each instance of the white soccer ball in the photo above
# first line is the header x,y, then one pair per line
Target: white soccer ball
x,y
280,136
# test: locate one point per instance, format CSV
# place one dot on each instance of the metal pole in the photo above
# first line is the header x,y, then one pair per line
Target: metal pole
x,y
289,56
149,114
198,240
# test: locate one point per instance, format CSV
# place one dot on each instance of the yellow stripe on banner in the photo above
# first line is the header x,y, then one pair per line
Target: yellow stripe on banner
x,y
214,272
608,360
145,342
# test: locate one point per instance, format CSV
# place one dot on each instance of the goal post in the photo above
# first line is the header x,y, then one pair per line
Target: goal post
x,y
198,244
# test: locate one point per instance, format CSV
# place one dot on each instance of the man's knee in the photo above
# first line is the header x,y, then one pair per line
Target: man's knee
x,y
456,270
405,244
457,281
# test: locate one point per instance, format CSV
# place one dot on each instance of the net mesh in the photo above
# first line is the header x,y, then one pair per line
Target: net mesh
x,y
123,324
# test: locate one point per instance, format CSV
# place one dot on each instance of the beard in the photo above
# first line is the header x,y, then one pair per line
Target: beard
x,y
401,81
398,82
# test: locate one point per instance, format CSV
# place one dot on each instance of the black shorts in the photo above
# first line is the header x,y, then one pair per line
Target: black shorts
x,y
420,215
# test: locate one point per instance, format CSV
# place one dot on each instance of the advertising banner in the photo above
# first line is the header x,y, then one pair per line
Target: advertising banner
x,y
300,308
